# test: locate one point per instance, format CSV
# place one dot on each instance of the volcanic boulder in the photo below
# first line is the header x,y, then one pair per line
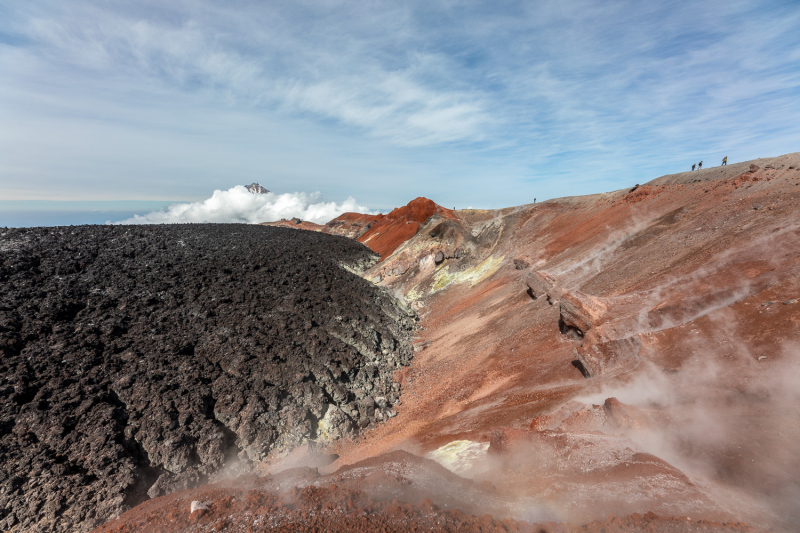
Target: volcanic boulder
x,y
609,357
580,312
539,284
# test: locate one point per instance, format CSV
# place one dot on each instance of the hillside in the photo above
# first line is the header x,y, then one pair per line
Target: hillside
x,y
624,352
622,361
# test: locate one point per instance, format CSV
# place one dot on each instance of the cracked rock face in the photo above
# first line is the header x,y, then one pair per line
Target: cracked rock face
x,y
139,360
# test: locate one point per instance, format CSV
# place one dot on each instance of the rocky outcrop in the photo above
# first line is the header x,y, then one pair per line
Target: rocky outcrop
x,y
294,223
139,360
609,357
384,233
350,225
438,242
580,311
624,417
580,315
539,284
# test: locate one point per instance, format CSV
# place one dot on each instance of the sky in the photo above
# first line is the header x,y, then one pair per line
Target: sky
x,y
472,104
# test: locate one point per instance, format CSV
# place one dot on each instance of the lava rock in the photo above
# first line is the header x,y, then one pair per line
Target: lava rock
x,y
140,360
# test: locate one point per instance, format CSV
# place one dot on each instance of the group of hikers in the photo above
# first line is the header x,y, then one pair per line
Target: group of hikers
x,y
700,164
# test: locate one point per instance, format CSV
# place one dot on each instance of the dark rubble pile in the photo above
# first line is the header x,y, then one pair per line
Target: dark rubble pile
x,y
139,360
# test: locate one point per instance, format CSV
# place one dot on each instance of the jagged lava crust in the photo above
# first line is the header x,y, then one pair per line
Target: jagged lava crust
x,y
139,360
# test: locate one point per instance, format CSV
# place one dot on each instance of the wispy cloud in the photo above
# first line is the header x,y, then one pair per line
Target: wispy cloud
x,y
283,64
473,102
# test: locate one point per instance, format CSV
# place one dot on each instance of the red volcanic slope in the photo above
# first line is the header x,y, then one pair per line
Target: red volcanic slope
x,y
350,225
388,493
303,224
386,232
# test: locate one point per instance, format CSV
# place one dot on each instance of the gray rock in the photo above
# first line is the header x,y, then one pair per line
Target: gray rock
x,y
334,425
338,393
366,407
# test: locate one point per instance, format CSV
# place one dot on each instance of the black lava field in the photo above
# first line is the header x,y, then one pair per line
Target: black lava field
x,y
140,360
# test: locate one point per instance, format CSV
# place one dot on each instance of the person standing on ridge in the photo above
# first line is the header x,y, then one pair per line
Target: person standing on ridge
x,y
700,165
693,167
725,161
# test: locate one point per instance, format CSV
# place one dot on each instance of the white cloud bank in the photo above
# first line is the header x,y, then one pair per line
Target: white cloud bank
x,y
239,205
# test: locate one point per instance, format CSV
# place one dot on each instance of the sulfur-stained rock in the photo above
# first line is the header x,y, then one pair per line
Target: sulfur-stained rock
x,y
426,263
334,425
384,233
609,357
397,268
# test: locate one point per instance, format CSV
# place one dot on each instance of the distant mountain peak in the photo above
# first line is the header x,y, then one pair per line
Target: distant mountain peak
x,y
255,188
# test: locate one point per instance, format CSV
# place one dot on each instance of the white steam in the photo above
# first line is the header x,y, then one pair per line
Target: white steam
x,y
238,205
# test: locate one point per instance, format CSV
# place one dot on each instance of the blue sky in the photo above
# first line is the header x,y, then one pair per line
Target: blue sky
x,y
484,104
